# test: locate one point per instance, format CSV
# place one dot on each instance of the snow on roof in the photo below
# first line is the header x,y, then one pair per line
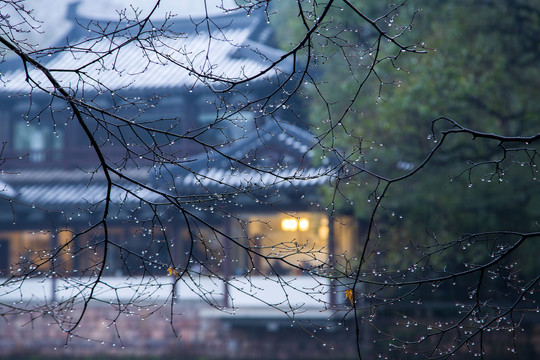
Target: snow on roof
x,y
6,191
182,9
137,68
59,192
53,23
164,62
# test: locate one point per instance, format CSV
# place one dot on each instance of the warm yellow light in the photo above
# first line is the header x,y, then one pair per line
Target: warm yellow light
x,y
303,224
323,232
289,224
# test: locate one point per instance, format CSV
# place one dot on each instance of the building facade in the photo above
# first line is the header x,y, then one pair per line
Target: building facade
x,y
52,187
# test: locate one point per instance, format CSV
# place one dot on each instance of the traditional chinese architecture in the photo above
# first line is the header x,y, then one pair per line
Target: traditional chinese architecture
x,y
51,185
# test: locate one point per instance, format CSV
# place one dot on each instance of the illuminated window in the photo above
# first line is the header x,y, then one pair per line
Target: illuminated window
x,y
303,224
289,224
295,224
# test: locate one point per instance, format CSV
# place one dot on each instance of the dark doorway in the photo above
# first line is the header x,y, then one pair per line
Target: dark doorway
x,y
4,257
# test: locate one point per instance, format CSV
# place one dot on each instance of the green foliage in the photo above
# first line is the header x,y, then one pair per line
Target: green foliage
x,y
472,78
480,71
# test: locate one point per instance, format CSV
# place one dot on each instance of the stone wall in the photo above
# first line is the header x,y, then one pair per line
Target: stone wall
x,y
148,332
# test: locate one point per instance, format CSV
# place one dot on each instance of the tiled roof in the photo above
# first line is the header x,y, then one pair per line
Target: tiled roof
x,y
108,9
220,178
209,181
160,62
54,195
6,191
135,67
281,150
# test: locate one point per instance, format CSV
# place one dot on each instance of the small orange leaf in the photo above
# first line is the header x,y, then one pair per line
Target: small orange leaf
x,y
349,294
172,271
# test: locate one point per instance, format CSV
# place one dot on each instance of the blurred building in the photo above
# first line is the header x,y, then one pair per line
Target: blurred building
x,y
51,184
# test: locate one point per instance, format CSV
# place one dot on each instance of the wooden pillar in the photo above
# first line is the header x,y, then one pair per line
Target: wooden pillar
x,y
226,261
54,243
331,260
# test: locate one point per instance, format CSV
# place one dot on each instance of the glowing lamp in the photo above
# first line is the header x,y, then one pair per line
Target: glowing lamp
x,y
294,224
303,224
289,224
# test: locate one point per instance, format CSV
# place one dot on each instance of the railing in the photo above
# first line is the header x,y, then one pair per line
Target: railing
x,y
284,296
